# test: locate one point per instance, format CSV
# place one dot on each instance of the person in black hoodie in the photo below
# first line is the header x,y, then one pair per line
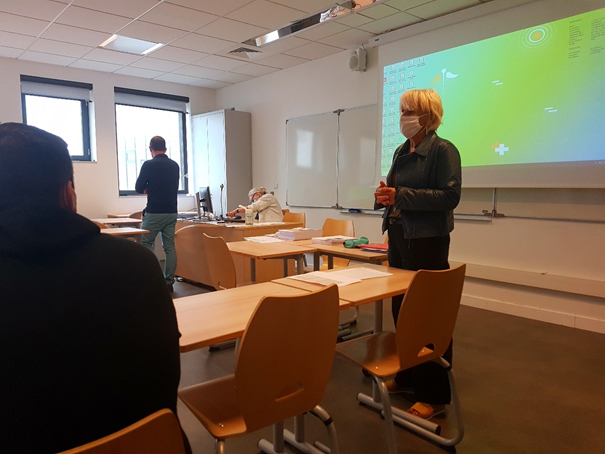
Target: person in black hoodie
x,y
88,331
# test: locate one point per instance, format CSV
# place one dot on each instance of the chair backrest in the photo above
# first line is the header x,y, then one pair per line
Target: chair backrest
x,y
158,433
100,225
220,262
338,227
285,210
286,356
136,215
428,315
295,217
191,263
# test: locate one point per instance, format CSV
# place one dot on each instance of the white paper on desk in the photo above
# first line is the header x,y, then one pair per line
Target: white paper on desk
x,y
263,239
360,273
324,278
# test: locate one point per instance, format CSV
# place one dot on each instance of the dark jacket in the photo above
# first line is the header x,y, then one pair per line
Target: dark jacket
x,y
160,176
428,185
88,332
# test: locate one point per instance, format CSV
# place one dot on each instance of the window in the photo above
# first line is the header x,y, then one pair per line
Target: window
x,y
61,107
140,115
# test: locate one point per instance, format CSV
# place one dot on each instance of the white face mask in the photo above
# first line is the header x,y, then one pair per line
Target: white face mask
x,y
410,125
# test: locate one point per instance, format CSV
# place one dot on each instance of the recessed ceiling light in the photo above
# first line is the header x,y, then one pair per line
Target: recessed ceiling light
x,y
130,45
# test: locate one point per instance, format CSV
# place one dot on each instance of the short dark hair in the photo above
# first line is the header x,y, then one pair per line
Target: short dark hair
x,y
33,163
157,143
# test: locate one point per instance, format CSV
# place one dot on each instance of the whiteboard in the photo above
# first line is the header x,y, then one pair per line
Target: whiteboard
x,y
312,171
357,157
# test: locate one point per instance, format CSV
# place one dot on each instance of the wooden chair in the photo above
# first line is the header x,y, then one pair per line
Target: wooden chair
x,y
281,372
191,263
295,217
100,225
159,433
136,215
285,210
337,227
220,262
424,330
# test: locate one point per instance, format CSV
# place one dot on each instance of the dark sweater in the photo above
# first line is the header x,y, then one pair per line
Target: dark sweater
x,y
160,176
88,332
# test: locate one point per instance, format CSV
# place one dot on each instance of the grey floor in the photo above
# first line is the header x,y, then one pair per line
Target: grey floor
x,y
525,387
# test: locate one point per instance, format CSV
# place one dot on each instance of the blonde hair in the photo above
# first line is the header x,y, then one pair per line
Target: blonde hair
x,y
261,191
424,101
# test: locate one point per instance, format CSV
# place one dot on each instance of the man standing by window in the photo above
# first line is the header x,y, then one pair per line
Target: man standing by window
x,y
159,179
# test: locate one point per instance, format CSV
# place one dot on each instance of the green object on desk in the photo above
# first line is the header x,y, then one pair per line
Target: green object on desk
x,y
355,243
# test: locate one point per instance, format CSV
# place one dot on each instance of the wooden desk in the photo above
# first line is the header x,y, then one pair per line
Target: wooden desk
x,y
266,270
366,291
342,252
119,222
129,232
262,251
209,318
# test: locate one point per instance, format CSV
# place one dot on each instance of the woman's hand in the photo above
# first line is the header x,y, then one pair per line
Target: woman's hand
x,y
384,195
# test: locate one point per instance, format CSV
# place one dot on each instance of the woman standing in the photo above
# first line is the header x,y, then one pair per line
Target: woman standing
x,y
421,191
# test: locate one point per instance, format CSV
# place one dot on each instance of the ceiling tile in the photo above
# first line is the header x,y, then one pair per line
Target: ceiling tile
x,y
232,30
218,7
59,48
354,20
95,66
36,9
235,78
440,8
201,43
151,32
254,70
265,14
69,34
93,20
47,58
282,61
210,83
198,71
217,62
177,78
393,22
15,40
22,25
176,54
178,17
110,56
313,51
10,52
348,39
139,72
309,6
322,30
379,11
283,45
156,64
129,8
404,5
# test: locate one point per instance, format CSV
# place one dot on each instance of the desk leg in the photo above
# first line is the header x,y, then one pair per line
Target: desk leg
x,y
285,267
330,261
300,264
316,256
253,269
138,239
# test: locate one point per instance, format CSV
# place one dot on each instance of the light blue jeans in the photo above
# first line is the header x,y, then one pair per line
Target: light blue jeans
x,y
163,223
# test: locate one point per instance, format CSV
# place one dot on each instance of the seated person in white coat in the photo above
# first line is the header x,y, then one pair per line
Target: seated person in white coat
x,y
263,203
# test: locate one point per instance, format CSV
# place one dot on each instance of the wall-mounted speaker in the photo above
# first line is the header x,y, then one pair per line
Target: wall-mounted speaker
x,y
357,62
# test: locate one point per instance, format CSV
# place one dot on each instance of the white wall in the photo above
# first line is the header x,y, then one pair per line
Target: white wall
x,y
97,182
517,247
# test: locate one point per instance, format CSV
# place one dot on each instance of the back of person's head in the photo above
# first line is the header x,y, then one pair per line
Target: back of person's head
x,y
33,164
157,143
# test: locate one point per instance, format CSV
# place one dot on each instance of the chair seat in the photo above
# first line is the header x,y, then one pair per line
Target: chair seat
x,y
376,353
214,403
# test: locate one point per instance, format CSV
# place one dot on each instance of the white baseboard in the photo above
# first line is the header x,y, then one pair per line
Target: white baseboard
x,y
543,315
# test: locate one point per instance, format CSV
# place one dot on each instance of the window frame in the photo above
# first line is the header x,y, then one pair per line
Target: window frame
x,y
85,105
183,119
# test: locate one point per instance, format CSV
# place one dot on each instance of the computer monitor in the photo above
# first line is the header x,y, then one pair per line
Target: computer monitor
x,y
204,201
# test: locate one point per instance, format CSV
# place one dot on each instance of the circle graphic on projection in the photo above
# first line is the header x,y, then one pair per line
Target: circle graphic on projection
x,y
537,37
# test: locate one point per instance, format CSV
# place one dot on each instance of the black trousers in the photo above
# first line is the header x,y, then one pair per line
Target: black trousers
x,y
429,380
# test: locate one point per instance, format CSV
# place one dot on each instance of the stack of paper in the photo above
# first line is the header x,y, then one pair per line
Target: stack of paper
x,y
263,239
334,240
343,277
299,233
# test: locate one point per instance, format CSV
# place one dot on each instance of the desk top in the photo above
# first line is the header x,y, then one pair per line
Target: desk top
x,y
213,317
241,226
118,221
123,231
268,250
366,291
